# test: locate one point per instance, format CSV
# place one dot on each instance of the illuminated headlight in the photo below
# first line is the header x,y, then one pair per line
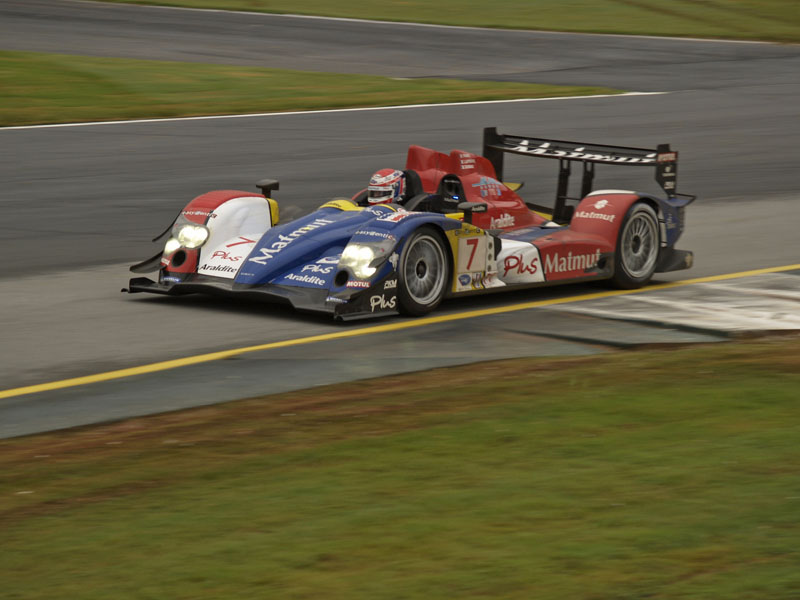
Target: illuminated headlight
x,y
358,258
171,246
364,259
192,236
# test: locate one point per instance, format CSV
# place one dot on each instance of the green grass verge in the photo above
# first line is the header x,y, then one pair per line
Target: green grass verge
x,y
776,20
660,474
54,88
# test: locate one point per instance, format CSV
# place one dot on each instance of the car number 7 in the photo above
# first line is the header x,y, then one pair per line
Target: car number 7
x,y
472,254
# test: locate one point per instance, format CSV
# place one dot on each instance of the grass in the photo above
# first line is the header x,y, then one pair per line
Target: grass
x,y
53,88
38,88
774,20
660,474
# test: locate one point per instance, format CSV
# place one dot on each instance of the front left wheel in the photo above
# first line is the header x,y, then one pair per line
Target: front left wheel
x,y
423,272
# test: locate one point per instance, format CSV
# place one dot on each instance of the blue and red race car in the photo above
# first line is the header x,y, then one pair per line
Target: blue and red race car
x,y
459,231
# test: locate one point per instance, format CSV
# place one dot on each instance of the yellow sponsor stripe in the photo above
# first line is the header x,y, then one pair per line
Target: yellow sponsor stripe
x,y
350,333
344,204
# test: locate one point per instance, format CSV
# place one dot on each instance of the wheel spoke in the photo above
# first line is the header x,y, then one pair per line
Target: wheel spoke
x,y
423,270
639,245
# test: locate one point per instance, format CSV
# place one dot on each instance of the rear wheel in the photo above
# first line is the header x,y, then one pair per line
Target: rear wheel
x,y
638,245
423,272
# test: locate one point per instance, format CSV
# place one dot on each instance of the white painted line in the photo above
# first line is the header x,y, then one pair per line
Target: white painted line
x,y
325,111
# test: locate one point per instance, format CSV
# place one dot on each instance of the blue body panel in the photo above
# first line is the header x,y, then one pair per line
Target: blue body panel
x,y
306,251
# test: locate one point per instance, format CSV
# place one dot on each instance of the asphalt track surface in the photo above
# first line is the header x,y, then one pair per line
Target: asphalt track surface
x,y
79,203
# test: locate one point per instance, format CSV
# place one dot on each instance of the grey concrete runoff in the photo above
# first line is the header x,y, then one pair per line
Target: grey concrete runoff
x,y
768,302
696,313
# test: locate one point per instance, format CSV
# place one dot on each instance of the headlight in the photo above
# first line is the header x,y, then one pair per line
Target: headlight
x,y
171,245
358,257
192,236
365,258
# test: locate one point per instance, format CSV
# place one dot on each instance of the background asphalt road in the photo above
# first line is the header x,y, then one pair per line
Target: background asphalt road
x,y
80,203
89,195
390,49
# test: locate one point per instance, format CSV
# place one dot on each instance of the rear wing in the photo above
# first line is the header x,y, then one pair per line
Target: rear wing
x,y
665,161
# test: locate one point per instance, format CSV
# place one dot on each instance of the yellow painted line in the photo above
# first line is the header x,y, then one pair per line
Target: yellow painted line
x,y
350,333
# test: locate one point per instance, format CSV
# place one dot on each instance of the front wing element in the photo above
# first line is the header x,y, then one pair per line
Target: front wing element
x,y
374,301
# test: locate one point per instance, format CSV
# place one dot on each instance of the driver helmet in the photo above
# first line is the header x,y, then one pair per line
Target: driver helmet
x,y
386,185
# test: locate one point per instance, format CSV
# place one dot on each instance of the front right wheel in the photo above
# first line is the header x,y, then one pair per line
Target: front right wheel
x,y
423,272
638,245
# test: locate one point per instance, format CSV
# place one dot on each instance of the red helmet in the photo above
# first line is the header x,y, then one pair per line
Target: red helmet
x,y
387,185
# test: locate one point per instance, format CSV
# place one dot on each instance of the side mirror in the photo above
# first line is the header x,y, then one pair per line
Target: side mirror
x,y
472,207
267,185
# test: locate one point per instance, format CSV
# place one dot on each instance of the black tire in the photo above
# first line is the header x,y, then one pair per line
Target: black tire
x,y
423,272
638,245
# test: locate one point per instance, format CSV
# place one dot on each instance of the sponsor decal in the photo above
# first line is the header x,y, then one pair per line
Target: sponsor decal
x,y
390,284
242,240
472,254
554,263
335,300
217,268
544,149
396,216
490,280
467,161
329,260
667,157
517,265
379,210
380,234
668,172
601,204
485,280
358,284
519,262
466,229
199,213
285,240
381,303
225,261
477,281
317,269
393,259
171,279
312,279
582,214
489,186
467,281
226,256
504,220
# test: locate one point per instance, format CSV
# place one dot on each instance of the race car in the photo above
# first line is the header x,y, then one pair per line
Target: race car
x,y
460,231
